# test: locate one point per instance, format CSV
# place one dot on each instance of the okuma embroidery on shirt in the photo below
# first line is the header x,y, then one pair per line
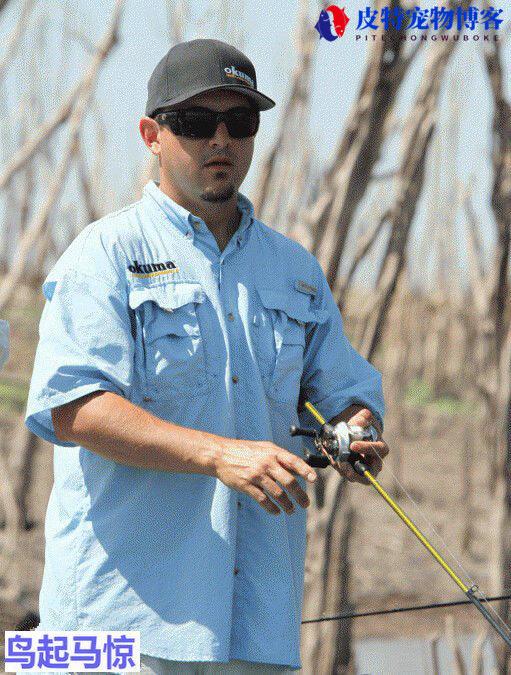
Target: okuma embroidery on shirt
x,y
142,271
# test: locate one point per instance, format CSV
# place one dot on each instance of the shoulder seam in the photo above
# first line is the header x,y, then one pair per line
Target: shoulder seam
x,y
93,226
79,273
291,242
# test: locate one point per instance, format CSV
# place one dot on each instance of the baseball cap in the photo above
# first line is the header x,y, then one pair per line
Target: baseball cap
x,y
196,66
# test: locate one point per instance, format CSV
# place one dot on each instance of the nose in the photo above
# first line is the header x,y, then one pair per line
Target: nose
x,y
221,136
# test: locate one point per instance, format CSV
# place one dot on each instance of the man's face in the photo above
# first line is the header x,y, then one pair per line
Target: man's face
x,y
182,160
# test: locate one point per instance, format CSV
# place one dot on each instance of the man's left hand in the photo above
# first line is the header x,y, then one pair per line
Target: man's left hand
x,y
370,451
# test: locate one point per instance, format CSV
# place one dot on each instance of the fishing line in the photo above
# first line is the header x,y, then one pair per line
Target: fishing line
x,y
396,610
432,528
334,442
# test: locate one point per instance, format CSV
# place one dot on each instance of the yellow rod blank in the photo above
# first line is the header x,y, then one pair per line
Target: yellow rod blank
x,y
411,526
415,530
315,413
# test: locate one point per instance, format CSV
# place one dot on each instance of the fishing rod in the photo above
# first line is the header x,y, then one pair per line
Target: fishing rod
x,y
333,442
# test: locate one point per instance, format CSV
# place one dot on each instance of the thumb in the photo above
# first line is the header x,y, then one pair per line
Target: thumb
x,y
363,418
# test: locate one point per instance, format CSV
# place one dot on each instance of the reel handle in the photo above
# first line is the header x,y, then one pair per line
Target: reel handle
x,y
317,461
343,455
321,462
300,431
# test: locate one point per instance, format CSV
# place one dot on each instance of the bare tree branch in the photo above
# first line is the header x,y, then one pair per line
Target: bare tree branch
x,y
419,130
288,162
364,244
346,181
92,213
478,281
15,37
501,191
3,5
61,115
39,222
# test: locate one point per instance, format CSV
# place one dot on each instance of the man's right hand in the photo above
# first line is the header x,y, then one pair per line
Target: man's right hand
x,y
118,430
254,467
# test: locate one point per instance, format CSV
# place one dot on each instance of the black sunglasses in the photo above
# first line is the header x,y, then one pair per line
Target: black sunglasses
x,y
241,122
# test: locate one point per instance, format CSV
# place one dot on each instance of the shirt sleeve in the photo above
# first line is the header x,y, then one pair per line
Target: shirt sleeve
x,y
85,345
335,375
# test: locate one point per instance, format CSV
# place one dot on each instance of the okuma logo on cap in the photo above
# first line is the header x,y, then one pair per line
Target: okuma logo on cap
x,y
232,71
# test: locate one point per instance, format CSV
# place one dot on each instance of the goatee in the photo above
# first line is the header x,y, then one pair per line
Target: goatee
x,y
223,195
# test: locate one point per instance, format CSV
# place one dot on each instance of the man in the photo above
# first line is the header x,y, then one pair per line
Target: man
x,y
177,338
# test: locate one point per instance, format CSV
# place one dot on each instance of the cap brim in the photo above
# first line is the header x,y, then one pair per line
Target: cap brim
x,y
262,102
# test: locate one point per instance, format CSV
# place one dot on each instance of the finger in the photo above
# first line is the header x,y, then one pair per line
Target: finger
x,y
373,462
291,485
350,474
277,493
297,465
380,447
372,452
362,418
263,500
346,470
361,479
369,456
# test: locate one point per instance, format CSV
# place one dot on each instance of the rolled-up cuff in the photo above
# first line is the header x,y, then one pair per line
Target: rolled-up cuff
x,y
39,421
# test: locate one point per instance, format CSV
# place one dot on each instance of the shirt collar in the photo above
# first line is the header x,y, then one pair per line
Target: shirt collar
x,y
186,221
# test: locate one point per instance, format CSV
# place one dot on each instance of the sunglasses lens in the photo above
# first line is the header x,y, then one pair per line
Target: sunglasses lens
x,y
198,124
242,123
202,123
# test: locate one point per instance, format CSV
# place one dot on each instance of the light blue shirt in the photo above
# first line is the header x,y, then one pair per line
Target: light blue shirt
x,y
144,304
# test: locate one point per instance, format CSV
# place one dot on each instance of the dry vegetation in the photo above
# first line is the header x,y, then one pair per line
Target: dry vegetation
x,y
445,354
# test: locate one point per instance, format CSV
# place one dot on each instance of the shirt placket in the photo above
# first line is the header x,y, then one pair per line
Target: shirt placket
x,y
226,286
222,263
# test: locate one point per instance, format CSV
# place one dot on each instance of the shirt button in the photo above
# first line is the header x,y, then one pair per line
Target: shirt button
x,y
230,316
236,570
239,505
147,399
189,234
234,378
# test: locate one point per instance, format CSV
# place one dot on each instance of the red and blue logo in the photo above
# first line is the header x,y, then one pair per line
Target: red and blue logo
x,y
332,23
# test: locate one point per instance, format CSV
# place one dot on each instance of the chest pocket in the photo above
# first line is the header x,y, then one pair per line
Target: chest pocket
x,y
173,353
279,328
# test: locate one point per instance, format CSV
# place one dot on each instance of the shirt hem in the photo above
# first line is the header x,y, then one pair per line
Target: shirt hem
x,y
190,658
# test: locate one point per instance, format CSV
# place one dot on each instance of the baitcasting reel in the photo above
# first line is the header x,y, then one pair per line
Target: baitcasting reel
x,y
333,442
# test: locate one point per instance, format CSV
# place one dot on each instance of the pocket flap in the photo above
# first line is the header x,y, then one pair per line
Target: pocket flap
x,y
176,300
296,305
167,296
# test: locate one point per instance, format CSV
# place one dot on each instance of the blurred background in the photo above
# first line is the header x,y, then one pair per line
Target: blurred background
x,y
389,159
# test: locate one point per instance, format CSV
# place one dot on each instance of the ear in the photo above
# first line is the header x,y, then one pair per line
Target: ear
x,y
150,132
